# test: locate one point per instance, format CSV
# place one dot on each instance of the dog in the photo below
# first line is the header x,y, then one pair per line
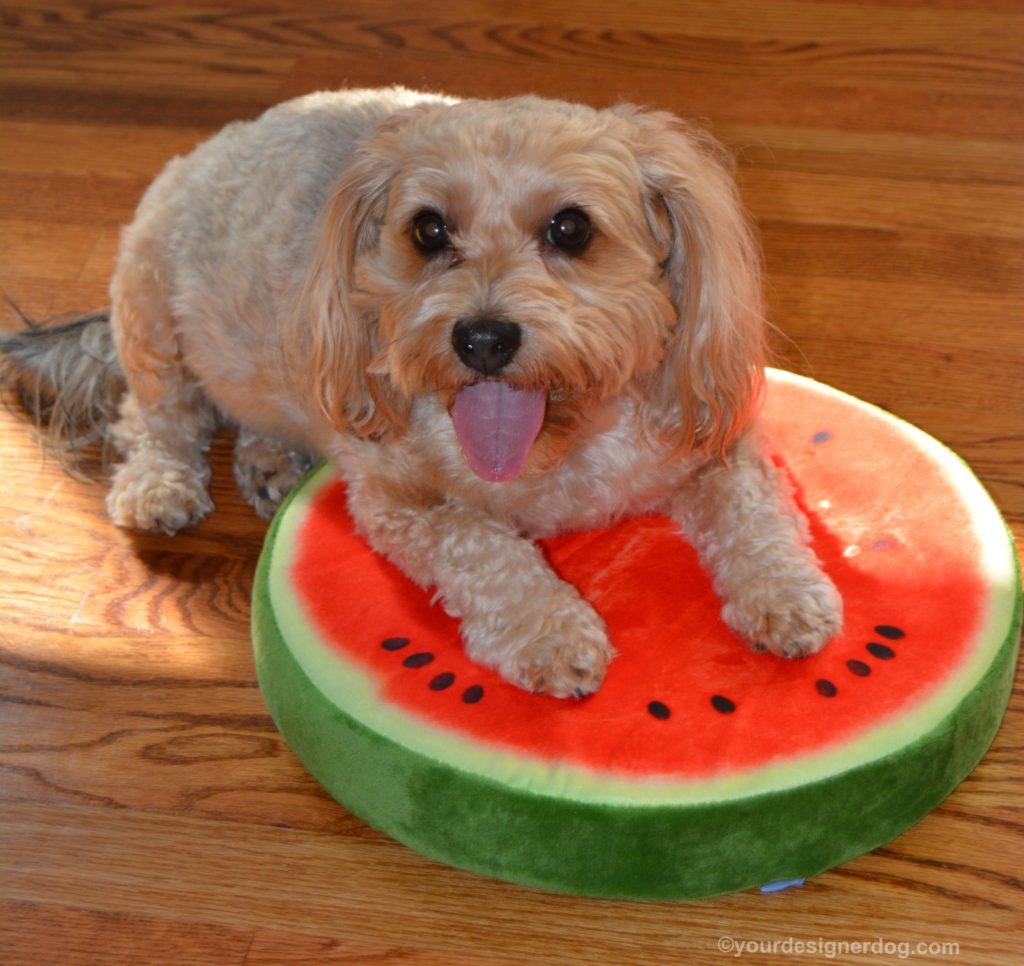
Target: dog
x,y
499,319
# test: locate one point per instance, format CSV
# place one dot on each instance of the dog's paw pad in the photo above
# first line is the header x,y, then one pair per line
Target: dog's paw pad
x,y
565,663
162,498
266,471
793,619
557,646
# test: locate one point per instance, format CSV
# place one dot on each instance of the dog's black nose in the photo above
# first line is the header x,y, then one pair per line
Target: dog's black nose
x,y
486,345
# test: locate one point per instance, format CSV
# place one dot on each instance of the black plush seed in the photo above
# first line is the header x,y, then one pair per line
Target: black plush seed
x,y
421,659
882,651
722,704
395,643
859,668
889,632
442,681
659,710
822,436
826,688
472,694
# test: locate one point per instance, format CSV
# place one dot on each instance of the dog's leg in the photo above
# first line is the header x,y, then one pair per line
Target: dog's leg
x,y
517,615
753,539
165,422
266,469
162,485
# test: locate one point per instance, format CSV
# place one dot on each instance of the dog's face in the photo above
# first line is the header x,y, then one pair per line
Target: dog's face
x,y
527,262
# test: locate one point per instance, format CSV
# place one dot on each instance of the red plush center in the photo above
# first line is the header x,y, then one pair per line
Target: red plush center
x,y
685,697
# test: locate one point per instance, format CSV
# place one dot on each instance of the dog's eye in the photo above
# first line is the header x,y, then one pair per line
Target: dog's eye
x,y
429,232
569,230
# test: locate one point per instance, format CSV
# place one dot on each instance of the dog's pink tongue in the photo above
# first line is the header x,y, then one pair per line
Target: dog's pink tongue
x,y
496,426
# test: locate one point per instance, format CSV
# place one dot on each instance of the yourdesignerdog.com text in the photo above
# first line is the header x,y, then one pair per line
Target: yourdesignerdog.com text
x,y
836,948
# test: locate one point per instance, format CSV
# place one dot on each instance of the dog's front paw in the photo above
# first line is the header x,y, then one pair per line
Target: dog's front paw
x,y
565,663
158,494
793,613
559,648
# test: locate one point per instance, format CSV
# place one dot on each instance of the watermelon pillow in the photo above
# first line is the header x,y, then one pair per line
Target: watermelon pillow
x,y
699,767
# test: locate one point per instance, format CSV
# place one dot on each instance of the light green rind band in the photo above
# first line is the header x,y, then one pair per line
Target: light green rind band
x,y
347,685
571,829
623,850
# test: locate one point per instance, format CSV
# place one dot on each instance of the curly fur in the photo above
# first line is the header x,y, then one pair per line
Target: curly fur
x,y
68,378
269,280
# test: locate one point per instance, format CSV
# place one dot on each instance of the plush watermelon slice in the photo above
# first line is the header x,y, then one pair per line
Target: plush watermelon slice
x,y
700,767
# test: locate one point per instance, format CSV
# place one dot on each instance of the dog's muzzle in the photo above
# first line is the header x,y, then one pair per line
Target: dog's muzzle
x,y
486,345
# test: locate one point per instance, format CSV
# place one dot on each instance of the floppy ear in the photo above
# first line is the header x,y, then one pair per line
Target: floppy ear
x,y
713,369
332,342
334,337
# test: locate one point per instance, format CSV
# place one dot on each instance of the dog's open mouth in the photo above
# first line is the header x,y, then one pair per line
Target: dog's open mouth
x,y
496,425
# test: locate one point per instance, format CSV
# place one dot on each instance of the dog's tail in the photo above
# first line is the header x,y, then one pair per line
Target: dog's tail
x,y
68,378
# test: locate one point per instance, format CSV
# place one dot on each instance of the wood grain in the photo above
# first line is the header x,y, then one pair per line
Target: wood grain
x,y
149,811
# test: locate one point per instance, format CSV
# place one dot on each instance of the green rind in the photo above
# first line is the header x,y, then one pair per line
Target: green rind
x,y
680,851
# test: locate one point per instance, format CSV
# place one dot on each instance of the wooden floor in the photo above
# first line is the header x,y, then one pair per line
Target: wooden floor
x,y
149,812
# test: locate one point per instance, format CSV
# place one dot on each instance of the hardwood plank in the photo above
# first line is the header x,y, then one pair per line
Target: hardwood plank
x,y
885,204
808,54
807,39
54,251
33,934
873,254
99,200
106,102
53,936
292,949
379,889
726,98
161,71
902,156
118,151
901,310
